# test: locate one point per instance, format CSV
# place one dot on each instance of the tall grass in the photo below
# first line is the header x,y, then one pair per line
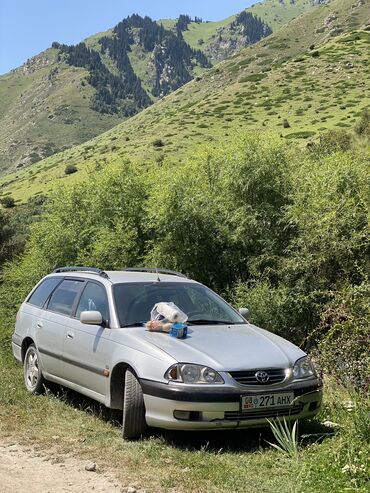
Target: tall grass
x,y
286,436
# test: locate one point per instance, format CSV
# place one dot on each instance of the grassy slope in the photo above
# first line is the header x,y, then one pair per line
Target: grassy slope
x,y
28,99
44,112
312,93
204,30
280,12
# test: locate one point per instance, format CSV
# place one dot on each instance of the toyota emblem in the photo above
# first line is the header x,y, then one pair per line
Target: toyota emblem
x,y
262,376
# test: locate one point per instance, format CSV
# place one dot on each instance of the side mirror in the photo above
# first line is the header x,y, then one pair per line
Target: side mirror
x,y
245,313
91,318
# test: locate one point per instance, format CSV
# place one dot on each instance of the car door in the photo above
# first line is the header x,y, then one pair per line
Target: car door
x,y
55,320
33,317
86,350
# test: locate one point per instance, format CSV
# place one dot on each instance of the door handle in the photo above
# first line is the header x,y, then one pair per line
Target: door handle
x,y
39,325
70,335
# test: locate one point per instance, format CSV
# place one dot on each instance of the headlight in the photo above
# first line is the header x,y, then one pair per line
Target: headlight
x,y
192,374
303,368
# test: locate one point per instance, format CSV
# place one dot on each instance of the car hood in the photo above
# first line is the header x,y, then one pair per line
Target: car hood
x,y
228,348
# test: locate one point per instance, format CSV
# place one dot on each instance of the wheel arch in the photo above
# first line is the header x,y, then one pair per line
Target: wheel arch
x,y
26,343
117,382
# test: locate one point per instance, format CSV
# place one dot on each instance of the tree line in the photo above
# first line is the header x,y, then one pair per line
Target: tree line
x,y
184,20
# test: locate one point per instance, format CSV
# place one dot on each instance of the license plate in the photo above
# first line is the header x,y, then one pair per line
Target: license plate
x,y
266,400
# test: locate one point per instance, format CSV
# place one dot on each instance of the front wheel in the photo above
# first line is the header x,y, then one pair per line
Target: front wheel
x,y
133,420
33,378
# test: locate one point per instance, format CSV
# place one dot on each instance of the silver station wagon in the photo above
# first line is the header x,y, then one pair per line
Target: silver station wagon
x,y
85,329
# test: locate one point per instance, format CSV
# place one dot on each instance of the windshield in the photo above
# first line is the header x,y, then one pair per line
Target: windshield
x,y
134,302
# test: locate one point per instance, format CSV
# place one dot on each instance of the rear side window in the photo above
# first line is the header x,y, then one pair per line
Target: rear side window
x,y
63,298
43,291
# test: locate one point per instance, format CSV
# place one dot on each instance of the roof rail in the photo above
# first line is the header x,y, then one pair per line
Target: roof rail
x,y
157,270
75,268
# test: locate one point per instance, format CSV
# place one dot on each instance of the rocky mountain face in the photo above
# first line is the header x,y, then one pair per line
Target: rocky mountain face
x,y
245,30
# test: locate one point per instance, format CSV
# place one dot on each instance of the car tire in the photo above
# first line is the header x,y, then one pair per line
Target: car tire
x,y
133,419
33,377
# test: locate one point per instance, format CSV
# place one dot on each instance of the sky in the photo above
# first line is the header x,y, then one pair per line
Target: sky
x,y
28,27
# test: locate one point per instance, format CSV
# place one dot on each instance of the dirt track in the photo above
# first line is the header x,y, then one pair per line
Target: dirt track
x,y
24,469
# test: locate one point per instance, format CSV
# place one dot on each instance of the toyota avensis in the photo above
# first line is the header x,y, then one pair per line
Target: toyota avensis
x,y
85,329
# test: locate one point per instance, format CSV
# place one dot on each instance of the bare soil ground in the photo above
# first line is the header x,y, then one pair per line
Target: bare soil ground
x,y
25,469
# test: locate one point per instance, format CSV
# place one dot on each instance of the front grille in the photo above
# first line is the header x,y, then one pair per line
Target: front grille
x,y
248,377
263,413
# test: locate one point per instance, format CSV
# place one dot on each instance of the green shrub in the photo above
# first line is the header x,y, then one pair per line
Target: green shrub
x,y
216,237
7,202
158,143
253,78
6,236
332,141
300,135
329,209
362,128
70,169
88,223
277,309
344,335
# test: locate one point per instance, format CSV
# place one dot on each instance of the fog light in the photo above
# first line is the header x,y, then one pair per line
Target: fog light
x,y
313,406
183,415
186,415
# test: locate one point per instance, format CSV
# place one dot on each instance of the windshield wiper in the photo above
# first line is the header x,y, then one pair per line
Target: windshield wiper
x,y
189,322
134,324
202,321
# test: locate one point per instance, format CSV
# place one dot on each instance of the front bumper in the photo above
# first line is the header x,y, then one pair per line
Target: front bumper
x,y
219,408
16,347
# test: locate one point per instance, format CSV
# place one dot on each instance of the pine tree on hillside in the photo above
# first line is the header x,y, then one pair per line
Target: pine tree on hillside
x,y
253,27
112,91
182,22
173,58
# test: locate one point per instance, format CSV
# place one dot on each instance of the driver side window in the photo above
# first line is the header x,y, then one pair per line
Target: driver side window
x,y
204,305
94,298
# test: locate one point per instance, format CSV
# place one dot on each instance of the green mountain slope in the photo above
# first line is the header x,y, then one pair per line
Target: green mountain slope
x,y
280,12
67,95
44,109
